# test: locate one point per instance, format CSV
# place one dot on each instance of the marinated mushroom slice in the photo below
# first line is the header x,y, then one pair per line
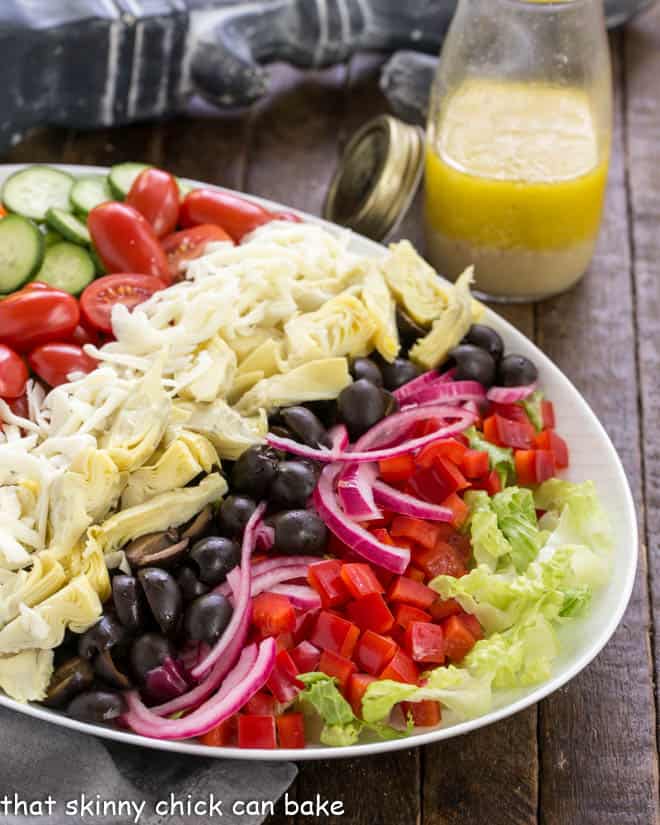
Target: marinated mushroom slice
x,y
105,667
140,550
70,679
197,526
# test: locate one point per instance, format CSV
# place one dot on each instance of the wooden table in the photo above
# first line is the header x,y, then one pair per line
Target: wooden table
x,y
588,754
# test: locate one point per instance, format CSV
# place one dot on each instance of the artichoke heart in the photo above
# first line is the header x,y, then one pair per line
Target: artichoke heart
x,y
449,329
165,510
104,482
25,676
315,381
230,432
94,567
30,587
76,606
212,372
342,326
184,458
382,308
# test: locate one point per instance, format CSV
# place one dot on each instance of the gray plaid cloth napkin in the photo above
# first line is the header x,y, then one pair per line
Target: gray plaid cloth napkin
x,y
81,772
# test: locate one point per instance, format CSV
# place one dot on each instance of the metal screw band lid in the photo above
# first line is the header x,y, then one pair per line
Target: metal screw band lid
x,y
377,177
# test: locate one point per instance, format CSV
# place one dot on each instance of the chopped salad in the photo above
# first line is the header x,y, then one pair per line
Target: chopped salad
x,y
262,491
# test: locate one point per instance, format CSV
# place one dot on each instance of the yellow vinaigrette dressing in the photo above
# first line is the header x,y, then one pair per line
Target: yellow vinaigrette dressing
x,y
515,180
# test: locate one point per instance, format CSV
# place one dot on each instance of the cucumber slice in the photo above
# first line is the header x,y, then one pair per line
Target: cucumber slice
x,y
89,192
67,266
33,191
50,236
98,263
21,252
68,226
123,175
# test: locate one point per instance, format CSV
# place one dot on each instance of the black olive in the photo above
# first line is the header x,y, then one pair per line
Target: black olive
x,y
106,633
516,371
361,405
128,602
254,471
367,369
235,512
299,532
409,330
487,339
70,678
207,617
398,373
105,667
97,706
215,556
325,411
473,364
149,651
306,426
294,484
164,597
191,586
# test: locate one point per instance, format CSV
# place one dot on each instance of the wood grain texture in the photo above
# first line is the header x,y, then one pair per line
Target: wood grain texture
x,y
642,65
597,735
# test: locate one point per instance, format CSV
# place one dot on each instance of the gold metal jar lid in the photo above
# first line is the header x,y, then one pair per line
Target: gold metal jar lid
x,y
377,177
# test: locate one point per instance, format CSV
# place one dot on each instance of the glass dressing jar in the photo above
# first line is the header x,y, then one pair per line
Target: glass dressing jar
x,y
518,144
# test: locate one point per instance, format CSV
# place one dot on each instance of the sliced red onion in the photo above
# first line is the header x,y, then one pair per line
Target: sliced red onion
x,y
192,653
214,711
355,493
339,437
300,595
398,502
275,563
267,581
288,445
264,537
509,395
166,681
395,559
237,625
408,392
448,393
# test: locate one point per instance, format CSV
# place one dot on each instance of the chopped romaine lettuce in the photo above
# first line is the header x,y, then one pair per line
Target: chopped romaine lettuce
x,y
501,458
532,406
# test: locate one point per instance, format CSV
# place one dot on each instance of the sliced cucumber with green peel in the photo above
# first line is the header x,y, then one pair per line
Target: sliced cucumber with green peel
x,y
33,191
89,192
98,263
50,236
122,176
21,252
68,226
67,266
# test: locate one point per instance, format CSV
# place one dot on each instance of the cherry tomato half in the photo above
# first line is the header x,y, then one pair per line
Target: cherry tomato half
x,y
287,216
126,242
82,335
234,214
54,362
101,295
36,285
19,406
190,244
155,195
3,211
13,373
32,317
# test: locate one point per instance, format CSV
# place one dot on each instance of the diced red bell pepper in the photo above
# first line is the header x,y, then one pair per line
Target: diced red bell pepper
x,y
473,625
337,666
273,613
304,625
360,580
459,541
458,639
443,608
425,643
332,632
283,682
490,430
442,559
284,641
357,687
451,475
512,412
411,592
418,530
449,448
371,613
336,547
549,440
325,577
475,463
415,573
525,461
255,731
424,714
401,669
547,415
458,507
398,468
383,536
291,730
374,652
406,613
491,483
262,704
544,466
306,656
516,434
426,484
221,735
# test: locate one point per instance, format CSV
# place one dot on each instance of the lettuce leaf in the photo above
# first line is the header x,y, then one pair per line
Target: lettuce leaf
x,y
501,458
532,406
581,518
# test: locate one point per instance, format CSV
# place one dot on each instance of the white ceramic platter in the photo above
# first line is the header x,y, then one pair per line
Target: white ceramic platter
x,y
592,457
